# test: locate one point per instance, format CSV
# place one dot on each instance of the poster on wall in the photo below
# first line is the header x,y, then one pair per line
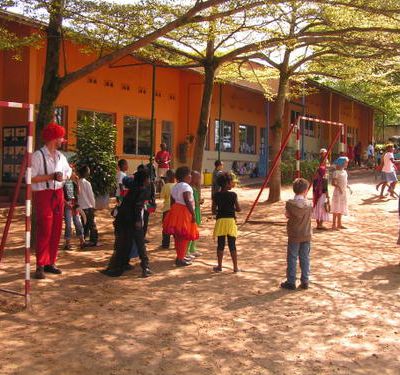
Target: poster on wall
x,y
14,148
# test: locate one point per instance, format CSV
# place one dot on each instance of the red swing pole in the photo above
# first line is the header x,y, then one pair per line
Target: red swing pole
x,y
298,156
274,164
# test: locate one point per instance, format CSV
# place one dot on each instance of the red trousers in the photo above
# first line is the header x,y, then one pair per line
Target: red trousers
x,y
180,247
49,208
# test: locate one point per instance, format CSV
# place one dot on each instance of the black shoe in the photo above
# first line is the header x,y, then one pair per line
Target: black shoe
x,y
182,263
39,274
287,285
303,286
112,273
128,267
146,272
89,244
52,269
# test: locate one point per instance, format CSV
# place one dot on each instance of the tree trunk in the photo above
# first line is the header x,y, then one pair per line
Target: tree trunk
x,y
276,136
205,111
51,80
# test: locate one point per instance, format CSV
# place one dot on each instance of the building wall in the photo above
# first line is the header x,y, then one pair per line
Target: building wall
x,y
120,91
326,105
126,91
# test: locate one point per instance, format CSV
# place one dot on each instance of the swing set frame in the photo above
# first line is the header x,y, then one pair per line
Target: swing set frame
x,y
297,129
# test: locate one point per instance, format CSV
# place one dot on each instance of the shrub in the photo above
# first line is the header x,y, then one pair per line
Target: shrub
x,y
307,169
96,148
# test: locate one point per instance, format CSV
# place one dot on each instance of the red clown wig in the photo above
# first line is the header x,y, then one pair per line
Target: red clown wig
x,y
52,131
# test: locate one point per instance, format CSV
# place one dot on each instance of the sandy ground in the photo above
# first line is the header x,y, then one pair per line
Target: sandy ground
x,y
192,321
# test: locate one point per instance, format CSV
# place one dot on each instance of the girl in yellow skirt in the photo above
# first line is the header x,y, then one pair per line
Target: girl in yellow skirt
x,y
225,205
181,220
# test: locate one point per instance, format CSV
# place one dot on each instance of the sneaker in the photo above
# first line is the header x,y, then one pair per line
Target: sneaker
x,y
303,286
52,269
147,272
183,263
288,286
128,267
67,246
39,273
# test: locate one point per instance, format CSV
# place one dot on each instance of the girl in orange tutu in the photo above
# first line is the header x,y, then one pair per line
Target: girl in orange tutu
x,y
181,220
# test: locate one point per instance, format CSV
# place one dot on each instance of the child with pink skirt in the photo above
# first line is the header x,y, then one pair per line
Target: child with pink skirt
x,y
321,198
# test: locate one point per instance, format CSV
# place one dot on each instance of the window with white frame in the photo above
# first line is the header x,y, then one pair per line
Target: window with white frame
x,y
293,116
247,139
309,127
226,129
60,116
137,136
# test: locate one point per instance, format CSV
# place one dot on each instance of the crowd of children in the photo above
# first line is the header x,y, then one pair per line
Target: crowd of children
x,y
181,215
181,218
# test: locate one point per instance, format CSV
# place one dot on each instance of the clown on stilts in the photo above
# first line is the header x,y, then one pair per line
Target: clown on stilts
x,y
50,169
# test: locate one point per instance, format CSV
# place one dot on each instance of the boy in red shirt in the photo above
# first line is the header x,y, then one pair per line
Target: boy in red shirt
x,y
163,159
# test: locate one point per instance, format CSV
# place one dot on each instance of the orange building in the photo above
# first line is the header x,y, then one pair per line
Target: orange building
x,y
122,92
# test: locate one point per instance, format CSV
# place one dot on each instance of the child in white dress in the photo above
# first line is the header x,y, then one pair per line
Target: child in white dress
x,y
339,197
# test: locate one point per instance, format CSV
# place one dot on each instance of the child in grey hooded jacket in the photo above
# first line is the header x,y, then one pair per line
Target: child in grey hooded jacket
x,y
298,212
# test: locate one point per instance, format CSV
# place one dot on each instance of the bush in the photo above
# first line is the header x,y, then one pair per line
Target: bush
x,y
96,148
307,169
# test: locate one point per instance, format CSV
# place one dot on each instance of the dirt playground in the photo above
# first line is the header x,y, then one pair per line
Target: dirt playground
x,y
193,321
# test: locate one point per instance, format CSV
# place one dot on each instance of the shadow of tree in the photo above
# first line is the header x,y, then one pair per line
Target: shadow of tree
x,y
386,278
193,321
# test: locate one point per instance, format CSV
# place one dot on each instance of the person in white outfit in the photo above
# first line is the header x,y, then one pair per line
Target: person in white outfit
x,y
340,196
50,169
87,203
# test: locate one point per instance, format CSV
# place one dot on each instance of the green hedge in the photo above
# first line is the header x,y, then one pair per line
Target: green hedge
x,y
96,141
307,168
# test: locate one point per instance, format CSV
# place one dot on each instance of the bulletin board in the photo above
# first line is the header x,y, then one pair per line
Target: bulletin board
x,y
14,148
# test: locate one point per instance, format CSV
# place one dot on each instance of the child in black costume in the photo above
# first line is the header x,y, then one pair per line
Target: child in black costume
x,y
129,227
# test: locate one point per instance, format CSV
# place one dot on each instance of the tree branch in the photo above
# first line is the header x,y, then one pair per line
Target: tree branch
x,y
178,51
147,39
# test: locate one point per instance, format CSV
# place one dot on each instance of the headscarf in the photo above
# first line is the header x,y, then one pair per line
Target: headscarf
x,y
341,161
318,184
52,131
